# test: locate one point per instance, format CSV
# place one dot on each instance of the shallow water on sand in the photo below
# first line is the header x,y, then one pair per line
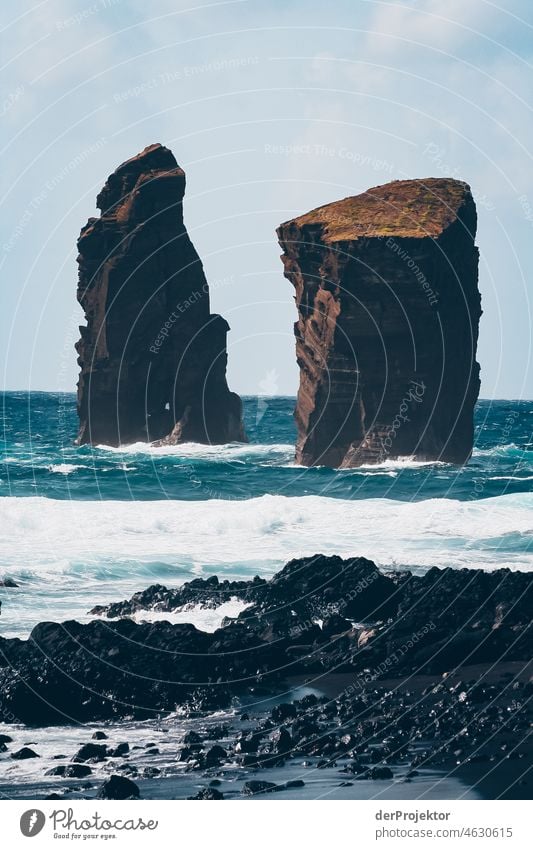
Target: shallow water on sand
x,y
27,780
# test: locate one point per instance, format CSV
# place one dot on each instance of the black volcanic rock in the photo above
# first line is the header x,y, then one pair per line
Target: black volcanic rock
x,y
119,751
256,788
8,583
204,592
369,732
319,614
152,356
91,752
70,771
310,585
118,787
388,312
208,793
24,754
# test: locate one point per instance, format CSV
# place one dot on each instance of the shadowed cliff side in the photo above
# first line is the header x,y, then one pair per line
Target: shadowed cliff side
x,y
152,356
388,313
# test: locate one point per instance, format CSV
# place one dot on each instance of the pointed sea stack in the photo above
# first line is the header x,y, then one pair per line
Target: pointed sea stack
x,y
152,356
388,311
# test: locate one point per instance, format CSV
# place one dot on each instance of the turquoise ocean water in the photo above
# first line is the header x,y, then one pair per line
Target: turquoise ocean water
x,y
83,525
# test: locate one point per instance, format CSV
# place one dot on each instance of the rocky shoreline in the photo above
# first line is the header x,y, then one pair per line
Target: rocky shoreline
x,y
401,673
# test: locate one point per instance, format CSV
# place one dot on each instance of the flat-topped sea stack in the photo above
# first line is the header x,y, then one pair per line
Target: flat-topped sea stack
x,y
152,356
388,311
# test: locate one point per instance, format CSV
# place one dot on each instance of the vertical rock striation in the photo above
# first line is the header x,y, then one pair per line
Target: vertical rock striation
x,y
388,313
152,356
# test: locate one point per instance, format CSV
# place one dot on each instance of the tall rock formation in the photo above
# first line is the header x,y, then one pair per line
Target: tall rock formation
x,y
152,356
388,313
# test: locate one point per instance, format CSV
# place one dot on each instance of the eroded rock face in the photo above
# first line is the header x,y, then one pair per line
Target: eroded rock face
x,y
152,356
388,312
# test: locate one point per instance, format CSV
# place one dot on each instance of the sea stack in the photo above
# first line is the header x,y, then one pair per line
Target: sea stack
x,y
388,310
152,356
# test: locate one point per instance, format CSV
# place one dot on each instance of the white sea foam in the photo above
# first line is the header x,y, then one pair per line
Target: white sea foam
x,y
196,450
64,468
402,463
516,477
205,618
509,448
42,534
68,556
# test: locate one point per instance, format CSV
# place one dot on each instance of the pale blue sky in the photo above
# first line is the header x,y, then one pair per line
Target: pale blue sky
x,y
272,108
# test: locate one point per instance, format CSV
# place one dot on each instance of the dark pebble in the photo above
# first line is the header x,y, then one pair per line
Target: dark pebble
x,y
207,793
118,787
70,771
23,754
